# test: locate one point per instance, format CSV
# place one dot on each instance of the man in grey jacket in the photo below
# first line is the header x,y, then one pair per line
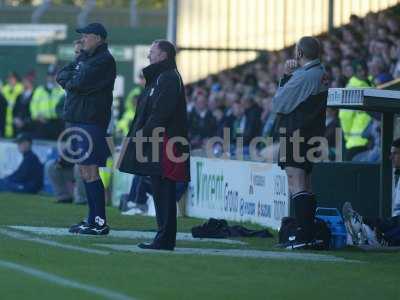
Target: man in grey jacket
x,y
300,104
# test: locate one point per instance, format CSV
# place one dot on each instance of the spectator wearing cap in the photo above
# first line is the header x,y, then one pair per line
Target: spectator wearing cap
x,y
28,178
89,83
43,108
21,111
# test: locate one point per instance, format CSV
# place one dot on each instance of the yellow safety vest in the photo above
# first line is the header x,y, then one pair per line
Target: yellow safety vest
x,y
11,94
106,173
43,103
354,122
129,112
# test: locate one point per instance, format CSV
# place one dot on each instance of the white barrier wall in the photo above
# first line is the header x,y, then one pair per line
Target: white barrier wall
x,y
238,191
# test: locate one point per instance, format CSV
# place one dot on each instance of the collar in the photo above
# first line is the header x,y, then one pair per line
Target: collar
x,y
312,64
27,153
152,72
101,48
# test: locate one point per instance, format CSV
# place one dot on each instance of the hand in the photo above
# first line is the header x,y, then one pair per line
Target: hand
x,y
290,66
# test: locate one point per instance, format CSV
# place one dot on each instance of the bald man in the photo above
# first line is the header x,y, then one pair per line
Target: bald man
x,y
300,104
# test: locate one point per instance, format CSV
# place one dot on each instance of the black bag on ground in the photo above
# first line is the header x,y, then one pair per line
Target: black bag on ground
x,y
213,228
289,229
218,229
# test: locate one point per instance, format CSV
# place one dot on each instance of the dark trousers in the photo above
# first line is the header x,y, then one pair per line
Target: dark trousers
x,y
141,186
164,195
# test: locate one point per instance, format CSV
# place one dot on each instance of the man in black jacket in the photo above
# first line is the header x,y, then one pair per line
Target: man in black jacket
x,y
160,111
89,82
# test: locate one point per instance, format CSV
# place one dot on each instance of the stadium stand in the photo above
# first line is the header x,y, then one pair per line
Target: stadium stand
x,y
374,40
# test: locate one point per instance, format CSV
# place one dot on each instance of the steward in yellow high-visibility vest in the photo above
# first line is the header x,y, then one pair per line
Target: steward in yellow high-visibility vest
x,y
10,92
129,110
43,108
44,102
354,122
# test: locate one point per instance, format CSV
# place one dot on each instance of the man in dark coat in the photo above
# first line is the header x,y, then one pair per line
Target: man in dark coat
x,y
157,144
89,83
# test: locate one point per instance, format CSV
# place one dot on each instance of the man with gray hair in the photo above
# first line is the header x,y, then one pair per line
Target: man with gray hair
x,y
160,110
300,104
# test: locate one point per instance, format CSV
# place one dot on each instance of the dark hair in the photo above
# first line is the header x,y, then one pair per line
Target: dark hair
x,y
359,63
396,143
15,75
167,47
310,47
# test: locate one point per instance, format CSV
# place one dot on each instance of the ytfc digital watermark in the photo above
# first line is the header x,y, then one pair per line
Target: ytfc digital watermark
x,y
76,144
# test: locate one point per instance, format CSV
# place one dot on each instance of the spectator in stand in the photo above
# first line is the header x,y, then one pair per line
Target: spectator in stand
x,y
21,111
253,116
202,124
10,92
28,178
131,100
241,127
267,118
378,71
43,108
354,122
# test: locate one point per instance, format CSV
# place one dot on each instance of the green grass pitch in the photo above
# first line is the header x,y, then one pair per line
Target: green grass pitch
x,y
164,276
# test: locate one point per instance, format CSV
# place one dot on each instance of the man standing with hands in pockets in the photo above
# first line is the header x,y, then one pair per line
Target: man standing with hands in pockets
x,y
158,146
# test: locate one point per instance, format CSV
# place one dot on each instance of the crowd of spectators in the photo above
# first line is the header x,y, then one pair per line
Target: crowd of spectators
x,y
364,52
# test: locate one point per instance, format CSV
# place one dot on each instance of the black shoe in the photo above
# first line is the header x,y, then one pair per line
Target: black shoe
x,y
95,230
81,225
152,246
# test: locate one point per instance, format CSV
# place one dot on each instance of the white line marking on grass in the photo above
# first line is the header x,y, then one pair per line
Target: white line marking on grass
x,y
234,253
127,234
64,281
24,237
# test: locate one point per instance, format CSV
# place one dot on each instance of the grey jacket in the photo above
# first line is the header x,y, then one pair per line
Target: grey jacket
x,y
306,81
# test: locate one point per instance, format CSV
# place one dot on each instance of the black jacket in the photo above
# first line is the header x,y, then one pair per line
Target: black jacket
x,y
162,104
22,110
3,108
89,82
